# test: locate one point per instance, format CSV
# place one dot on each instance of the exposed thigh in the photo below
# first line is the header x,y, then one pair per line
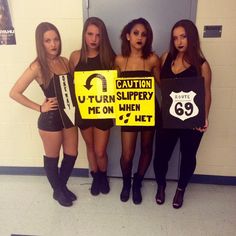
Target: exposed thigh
x,y
87,135
70,141
101,138
52,142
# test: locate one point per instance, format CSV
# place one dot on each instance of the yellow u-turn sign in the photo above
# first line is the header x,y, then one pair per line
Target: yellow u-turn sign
x,y
101,95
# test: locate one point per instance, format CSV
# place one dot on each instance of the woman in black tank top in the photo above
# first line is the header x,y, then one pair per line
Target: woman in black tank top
x,y
96,54
136,60
184,59
44,69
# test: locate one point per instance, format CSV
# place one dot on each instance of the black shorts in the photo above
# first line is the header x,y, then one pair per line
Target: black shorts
x,y
102,124
137,128
50,121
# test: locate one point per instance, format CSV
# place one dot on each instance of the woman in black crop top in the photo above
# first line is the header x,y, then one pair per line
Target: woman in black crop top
x,y
48,66
96,54
136,60
184,59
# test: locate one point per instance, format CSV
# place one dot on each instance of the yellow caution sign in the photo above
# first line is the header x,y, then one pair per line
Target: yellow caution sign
x,y
135,101
95,93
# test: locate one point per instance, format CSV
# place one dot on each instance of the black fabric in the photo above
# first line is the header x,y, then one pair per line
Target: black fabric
x,y
179,84
102,124
166,139
49,91
66,169
51,169
183,102
51,120
166,71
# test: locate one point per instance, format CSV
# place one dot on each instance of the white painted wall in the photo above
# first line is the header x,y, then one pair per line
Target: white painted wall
x,y
217,151
20,144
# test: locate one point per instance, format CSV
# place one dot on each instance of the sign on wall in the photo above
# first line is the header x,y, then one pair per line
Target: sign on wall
x,y
7,32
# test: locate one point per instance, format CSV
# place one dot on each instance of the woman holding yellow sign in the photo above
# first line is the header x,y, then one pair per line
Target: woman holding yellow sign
x,y
96,54
136,60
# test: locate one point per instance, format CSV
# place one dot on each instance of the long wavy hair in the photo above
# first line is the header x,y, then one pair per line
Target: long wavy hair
x,y
41,52
125,44
106,53
193,54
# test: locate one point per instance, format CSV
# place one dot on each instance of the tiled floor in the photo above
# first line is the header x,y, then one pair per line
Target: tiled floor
x,y
27,208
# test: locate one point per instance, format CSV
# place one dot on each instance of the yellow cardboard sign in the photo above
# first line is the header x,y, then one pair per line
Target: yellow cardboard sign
x,y
135,101
95,93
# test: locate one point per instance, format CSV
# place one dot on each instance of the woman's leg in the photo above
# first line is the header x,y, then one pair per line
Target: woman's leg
x,y
128,140
88,136
144,162
52,143
70,149
146,151
101,138
189,143
166,140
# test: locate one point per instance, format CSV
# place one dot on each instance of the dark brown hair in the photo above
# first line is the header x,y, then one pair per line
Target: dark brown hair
x,y
41,52
106,53
125,44
193,54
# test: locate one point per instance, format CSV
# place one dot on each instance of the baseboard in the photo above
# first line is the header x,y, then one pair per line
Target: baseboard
x,y
83,172
12,170
214,179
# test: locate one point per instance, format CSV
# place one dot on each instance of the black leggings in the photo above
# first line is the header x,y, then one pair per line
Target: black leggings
x,y
166,140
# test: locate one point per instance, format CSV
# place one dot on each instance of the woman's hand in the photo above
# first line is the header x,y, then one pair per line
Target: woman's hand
x,y
204,128
50,104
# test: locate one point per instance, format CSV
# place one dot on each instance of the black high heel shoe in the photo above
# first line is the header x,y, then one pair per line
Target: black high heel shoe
x,y
160,195
178,198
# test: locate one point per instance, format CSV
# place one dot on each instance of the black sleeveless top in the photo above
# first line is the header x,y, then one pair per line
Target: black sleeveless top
x,y
49,91
166,71
93,63
135,73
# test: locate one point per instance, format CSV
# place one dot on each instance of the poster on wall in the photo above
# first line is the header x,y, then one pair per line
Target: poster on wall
x,y
7,32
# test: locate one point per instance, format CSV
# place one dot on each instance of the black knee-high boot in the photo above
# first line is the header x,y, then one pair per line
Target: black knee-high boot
x,y
136,188
67,166
51,169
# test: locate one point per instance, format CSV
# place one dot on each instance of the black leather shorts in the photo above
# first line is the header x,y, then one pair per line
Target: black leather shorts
x,y
102,124
50,121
